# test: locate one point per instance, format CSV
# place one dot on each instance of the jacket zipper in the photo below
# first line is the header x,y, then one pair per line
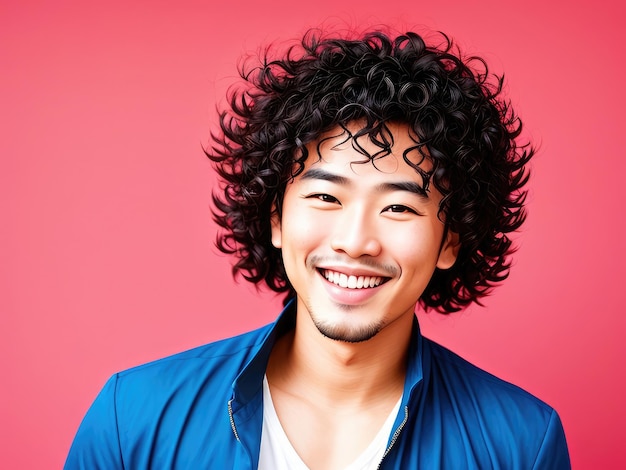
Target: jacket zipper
x,y
232,420
395,436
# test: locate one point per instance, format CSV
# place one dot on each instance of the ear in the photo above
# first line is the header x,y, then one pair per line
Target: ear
x,y
277,233
449,250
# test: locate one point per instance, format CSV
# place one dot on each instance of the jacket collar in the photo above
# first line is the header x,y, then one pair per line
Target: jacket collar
x,y
246,405
250,380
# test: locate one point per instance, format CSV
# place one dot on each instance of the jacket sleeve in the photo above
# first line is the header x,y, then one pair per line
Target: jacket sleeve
x,y
96,444
553,454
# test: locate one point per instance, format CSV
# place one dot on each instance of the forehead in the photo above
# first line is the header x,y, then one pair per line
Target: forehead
x,y
391,150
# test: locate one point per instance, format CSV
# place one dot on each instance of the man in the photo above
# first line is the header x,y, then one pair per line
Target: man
x,y
361,177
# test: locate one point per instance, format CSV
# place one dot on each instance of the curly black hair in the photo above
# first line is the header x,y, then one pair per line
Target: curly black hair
x,y
451,104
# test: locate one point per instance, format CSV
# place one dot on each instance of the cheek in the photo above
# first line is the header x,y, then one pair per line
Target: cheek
x,y
300,232
414,247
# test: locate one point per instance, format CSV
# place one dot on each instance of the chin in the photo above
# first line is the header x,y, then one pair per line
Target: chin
x,y
348,333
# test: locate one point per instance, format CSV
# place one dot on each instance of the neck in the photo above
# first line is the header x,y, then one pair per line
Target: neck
x,y
306,363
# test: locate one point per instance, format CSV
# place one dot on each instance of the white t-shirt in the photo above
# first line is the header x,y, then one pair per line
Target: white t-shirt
x,y
277,453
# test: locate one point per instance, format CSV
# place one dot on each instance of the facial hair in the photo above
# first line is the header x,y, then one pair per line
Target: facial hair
x,y
346,333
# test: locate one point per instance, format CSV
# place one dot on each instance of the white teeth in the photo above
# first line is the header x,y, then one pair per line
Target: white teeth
x,y
352,282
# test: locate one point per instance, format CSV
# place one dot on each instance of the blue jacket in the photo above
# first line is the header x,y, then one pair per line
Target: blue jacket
x,y
202,409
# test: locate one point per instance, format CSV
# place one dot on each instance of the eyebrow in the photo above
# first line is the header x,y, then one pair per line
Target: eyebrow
x,y
408,186
319,174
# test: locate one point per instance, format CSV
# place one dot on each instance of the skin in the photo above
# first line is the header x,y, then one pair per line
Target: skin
x,y
335,378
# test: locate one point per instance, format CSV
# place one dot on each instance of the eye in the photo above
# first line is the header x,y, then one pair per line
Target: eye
x,y
323,197
399,209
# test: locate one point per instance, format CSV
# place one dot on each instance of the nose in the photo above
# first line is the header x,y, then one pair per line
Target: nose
x,y
355,233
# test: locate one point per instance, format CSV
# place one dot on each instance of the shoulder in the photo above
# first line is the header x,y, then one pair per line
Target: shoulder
x,y
179,384
173,409
464,379
234,352
490,418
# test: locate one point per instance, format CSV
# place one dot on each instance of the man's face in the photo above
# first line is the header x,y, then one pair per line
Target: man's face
x,y
360,242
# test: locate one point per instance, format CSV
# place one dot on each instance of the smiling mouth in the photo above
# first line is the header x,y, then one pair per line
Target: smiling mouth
x,y
352,282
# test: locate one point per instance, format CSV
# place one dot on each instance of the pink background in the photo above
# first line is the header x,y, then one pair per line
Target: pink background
x,y
106,256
